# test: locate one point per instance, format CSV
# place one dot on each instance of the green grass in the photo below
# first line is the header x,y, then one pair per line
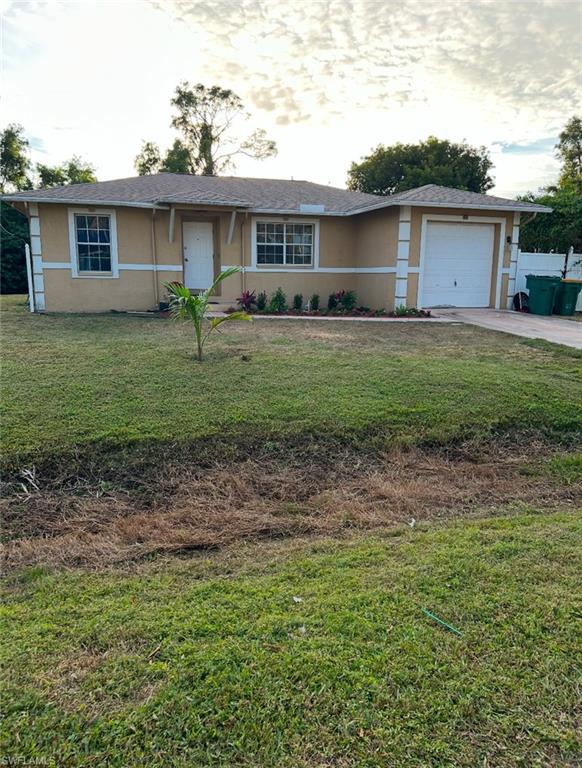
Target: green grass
x,y
116,380
211,662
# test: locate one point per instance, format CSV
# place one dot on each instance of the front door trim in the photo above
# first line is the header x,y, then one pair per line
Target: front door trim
x,y
463,220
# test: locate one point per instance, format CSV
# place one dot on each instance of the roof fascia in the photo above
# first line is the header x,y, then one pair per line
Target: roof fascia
x,y
68,201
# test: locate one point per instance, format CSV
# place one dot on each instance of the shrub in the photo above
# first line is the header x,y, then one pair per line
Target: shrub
x,y
410,312
348,300
332,301
247,300
278,301
261,301
314,302
298,301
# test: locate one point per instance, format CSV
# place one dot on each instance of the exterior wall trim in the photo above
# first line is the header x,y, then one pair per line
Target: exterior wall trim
x,y
38,298
462,220
512,271
122,267
402,255
319,270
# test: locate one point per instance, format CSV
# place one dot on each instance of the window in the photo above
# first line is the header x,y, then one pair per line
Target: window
x,y
285,243
93,243
93,238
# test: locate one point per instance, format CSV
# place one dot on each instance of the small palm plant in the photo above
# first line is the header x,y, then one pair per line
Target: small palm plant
x,y
185,305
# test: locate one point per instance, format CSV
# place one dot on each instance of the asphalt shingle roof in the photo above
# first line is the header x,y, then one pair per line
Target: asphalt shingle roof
x,y
448,196
274,195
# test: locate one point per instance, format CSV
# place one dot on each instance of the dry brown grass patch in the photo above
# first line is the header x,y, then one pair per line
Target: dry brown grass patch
x,y
184,506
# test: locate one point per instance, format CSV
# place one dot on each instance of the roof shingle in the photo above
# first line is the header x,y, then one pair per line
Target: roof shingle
x,y
273,195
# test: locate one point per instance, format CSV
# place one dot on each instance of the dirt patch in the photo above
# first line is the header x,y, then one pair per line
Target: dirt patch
x,y
181,504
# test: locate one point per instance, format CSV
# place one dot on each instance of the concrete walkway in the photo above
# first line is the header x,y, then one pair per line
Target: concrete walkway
x,y
559,330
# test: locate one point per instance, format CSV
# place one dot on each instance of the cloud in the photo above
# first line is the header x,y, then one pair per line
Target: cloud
x,y
360,52
328,79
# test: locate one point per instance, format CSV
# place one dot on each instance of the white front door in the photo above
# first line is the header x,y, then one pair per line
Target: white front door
x,y
458,260
198,254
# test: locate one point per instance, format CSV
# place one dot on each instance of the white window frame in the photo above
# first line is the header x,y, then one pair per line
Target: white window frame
x,y
284,267
75,272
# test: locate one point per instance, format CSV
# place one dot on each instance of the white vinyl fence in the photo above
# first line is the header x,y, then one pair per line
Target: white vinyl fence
x,y
550,264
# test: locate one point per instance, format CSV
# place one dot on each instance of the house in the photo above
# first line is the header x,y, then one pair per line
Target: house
x,y
111,245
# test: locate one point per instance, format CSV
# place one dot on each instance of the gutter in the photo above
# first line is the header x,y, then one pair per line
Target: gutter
x,y
71,201
413,204
281,211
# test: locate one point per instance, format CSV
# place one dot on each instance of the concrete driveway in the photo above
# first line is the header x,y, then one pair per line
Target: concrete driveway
x,y
556,329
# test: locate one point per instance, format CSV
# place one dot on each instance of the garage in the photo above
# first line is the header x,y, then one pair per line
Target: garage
x,y
458,263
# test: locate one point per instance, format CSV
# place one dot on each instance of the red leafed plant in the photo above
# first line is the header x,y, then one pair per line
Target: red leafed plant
x,y
247,300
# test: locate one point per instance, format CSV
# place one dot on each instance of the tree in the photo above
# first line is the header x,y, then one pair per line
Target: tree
x,y
14,161
404,166
73,171
14,176
562,228
185,305
177,159
569,150
207,120
148,159
13,236
555,231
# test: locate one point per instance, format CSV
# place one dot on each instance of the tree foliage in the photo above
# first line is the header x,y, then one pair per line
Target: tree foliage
x,y
13,236
569,150
435,161
15,168
14,161
73,171
16,174
562,228
148,159
555,231
207,119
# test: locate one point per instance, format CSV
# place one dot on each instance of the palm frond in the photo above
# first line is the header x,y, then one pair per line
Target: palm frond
x,y
222,276
216,321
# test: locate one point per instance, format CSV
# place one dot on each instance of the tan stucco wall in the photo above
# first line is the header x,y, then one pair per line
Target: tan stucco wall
x,y
376,240
131,290
54,232
366,240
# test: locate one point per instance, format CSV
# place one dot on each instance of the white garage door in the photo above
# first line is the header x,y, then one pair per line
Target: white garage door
x,y
458,259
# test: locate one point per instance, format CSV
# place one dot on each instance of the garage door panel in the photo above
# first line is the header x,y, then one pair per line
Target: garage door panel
x,y
458,262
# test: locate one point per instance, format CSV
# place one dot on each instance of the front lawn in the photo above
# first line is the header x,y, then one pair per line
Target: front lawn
x,y
74,381
149,621
305,654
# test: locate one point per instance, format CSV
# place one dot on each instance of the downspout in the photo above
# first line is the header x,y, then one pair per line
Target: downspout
x,y
29,278
242,251
155,260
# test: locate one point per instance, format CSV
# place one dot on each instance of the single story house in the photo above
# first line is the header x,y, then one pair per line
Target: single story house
x,y
111,245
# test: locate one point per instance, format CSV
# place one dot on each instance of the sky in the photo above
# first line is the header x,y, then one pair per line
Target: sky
x,y
328,80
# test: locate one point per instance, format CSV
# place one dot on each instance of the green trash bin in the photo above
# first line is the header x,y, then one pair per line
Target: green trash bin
x,y
567,297
542,291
